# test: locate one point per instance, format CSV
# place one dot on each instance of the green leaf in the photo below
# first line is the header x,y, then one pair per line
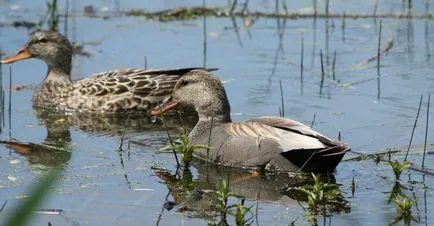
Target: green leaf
x,y
22,213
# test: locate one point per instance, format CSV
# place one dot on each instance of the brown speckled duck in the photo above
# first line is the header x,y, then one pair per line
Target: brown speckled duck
x,y
112,91
273,143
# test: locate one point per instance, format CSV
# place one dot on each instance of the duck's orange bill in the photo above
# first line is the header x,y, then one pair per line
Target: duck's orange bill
x,y
21,55
165,107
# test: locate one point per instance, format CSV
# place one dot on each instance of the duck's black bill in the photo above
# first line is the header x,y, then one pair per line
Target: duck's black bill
x,y
167,105
21,55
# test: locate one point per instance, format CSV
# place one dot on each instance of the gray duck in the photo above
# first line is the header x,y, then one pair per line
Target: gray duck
x,y
111,91
272,143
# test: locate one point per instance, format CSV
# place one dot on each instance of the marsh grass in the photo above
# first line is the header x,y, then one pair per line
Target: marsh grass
x,y
181,145
404,207
398,167
414,127
239,211
282,105
320,197
51,16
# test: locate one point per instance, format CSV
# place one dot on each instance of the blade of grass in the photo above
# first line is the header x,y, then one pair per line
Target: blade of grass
x,y
301,63
313,120
281,100
414,127
426,132
23,212
322,74
333,66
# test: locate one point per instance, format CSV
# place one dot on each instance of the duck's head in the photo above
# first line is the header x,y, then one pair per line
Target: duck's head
x,y
49,46
202,91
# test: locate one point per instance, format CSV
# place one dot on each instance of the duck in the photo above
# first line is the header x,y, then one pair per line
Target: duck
x,y
270,143
111,91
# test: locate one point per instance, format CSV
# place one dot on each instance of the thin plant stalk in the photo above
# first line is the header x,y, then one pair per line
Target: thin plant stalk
x,y
313,120
281,100
170,139
302,63
233,6
209,141
322,73
343,25
284,6
379,48
204,35
414,127
246,3
426,132
375,9
10,102
315,7
66,17
124,131
333,66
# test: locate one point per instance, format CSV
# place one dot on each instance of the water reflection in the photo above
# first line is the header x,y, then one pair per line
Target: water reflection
x,y
56,149
114,124
192,196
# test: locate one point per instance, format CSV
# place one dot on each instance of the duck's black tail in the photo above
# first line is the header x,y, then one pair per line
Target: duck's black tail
x,y
317,160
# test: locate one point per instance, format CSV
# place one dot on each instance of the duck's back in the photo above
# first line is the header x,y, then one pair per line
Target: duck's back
x,y
274,143
112,91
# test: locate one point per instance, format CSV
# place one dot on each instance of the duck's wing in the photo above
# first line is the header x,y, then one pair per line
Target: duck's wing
x,y
295,127
302,146
289,137
138,82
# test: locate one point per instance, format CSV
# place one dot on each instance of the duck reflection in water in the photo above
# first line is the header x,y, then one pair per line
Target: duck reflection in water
x,y
56,149
196,197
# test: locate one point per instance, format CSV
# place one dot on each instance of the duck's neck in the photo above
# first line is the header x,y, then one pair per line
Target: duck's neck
x,y
205,125
58,75
60,70
207,121
55,88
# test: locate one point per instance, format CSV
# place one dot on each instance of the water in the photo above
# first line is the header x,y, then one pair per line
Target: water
x,y
102,185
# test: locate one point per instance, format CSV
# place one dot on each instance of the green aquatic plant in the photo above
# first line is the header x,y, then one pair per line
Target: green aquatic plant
x,y
403,207
397,191
51,16
319,196
239,211
398,167
184,148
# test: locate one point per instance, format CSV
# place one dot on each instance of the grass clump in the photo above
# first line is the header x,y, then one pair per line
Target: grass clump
x,y
398,167
239,211
403,207
182,146
320,196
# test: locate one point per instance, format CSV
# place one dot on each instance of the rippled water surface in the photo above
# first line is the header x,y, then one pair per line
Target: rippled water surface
x,y
103,185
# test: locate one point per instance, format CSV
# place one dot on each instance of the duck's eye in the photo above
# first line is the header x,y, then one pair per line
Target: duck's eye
x,y
43,40
184,82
